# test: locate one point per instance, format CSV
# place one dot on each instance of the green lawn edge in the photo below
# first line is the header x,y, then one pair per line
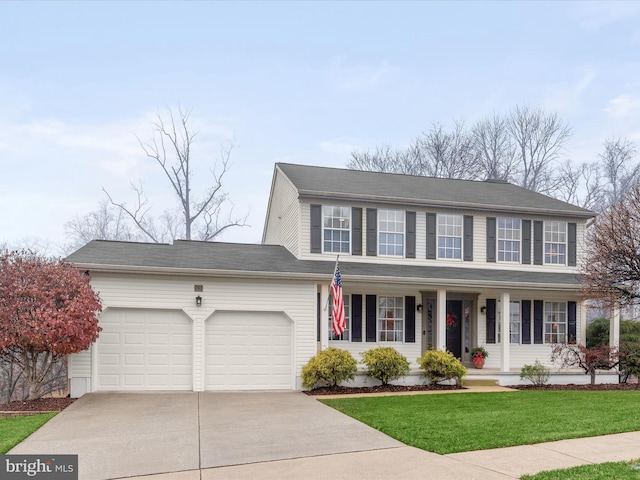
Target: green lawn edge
x,y
452,423
604,471
15,429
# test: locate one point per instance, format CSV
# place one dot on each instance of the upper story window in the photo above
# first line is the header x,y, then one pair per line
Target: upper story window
x,y
450,236
555,322
390,319
391,232
555,242
347,316
336,223
509,239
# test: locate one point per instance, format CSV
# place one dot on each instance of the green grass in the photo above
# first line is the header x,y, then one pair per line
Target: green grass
x,y
451,423
603,471
16,429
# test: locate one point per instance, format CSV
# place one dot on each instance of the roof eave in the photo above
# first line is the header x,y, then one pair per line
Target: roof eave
x,y
309,194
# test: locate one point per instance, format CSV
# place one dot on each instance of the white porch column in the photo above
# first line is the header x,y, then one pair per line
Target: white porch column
x,y
441,316
505,299
614,327
583,323
324,316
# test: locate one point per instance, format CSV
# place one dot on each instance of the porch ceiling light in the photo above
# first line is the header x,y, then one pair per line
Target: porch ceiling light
x,y
198,301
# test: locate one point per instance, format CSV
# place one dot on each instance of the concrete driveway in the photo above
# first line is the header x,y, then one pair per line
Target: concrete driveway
x,y
120,435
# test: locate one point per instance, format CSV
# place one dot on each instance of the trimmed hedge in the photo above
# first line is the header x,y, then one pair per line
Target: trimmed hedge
x,y
329,367
439,366
385,364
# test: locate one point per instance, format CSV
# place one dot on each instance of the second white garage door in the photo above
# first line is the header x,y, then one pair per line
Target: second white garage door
x,y
249,351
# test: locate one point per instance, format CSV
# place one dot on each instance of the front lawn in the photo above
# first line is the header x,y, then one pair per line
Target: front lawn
x,y
605,471
451,423
16,429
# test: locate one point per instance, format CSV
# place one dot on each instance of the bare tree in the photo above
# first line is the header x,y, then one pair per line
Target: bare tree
x,y
200,217
618,169
580,185
611,267
105,223
540,138
495,148
436,153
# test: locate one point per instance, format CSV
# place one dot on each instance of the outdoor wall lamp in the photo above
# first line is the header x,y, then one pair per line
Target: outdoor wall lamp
x,y
198,301
483,309
419,307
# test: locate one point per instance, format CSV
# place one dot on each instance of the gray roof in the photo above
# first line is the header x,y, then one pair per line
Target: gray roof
x,y
357,185
213,258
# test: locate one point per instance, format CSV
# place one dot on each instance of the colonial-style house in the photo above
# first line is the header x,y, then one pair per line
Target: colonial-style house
x,y
426,263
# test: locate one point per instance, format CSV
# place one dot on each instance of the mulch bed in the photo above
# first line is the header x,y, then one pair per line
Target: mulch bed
x,y
39,405
419,388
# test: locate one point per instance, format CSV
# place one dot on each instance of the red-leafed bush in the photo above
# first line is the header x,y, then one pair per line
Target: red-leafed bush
x,y
47,310
588,359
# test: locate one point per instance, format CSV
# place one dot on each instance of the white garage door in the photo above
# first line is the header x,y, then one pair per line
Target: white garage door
x,y
144,350
249,351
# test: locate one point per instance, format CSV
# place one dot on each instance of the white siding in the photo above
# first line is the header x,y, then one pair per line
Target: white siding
x,y
295,298
479,241
283,218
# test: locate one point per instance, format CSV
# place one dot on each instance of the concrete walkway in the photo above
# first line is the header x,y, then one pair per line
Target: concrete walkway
x,y
189,436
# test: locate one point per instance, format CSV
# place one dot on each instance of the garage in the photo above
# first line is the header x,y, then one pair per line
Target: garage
x,y
144,349
249,351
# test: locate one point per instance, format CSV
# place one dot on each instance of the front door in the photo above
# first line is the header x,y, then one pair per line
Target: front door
x,y
453,325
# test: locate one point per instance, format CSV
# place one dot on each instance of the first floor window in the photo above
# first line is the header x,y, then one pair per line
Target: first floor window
x,y
514,322
450,236
555,322
336,223
391,232
390,319
555,242
347,316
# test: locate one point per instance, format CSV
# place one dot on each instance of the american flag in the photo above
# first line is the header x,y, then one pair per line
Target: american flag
x,y
338,321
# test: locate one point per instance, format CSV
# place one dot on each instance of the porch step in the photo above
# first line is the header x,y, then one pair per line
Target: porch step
x,y
480,382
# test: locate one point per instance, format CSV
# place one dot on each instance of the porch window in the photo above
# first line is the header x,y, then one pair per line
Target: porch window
x,y
391,232
514,322
344,336
555,322
508,239
450,236
390,319
555,242
336,223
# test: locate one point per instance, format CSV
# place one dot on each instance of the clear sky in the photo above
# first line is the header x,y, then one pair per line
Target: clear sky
x,y
299,82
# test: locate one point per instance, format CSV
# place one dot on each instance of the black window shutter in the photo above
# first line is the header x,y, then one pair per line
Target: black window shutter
x,y
572,323
526,321
526,242
356,231
410,319
538,307
372,311
356,318
537,242
571,247
372,231
316,228
319,315
468,238
431,236
410,227
491,320
491,239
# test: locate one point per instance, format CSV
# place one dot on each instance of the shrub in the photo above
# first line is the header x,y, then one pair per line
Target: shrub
x,y
439,366
537,373
329,367
385,364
